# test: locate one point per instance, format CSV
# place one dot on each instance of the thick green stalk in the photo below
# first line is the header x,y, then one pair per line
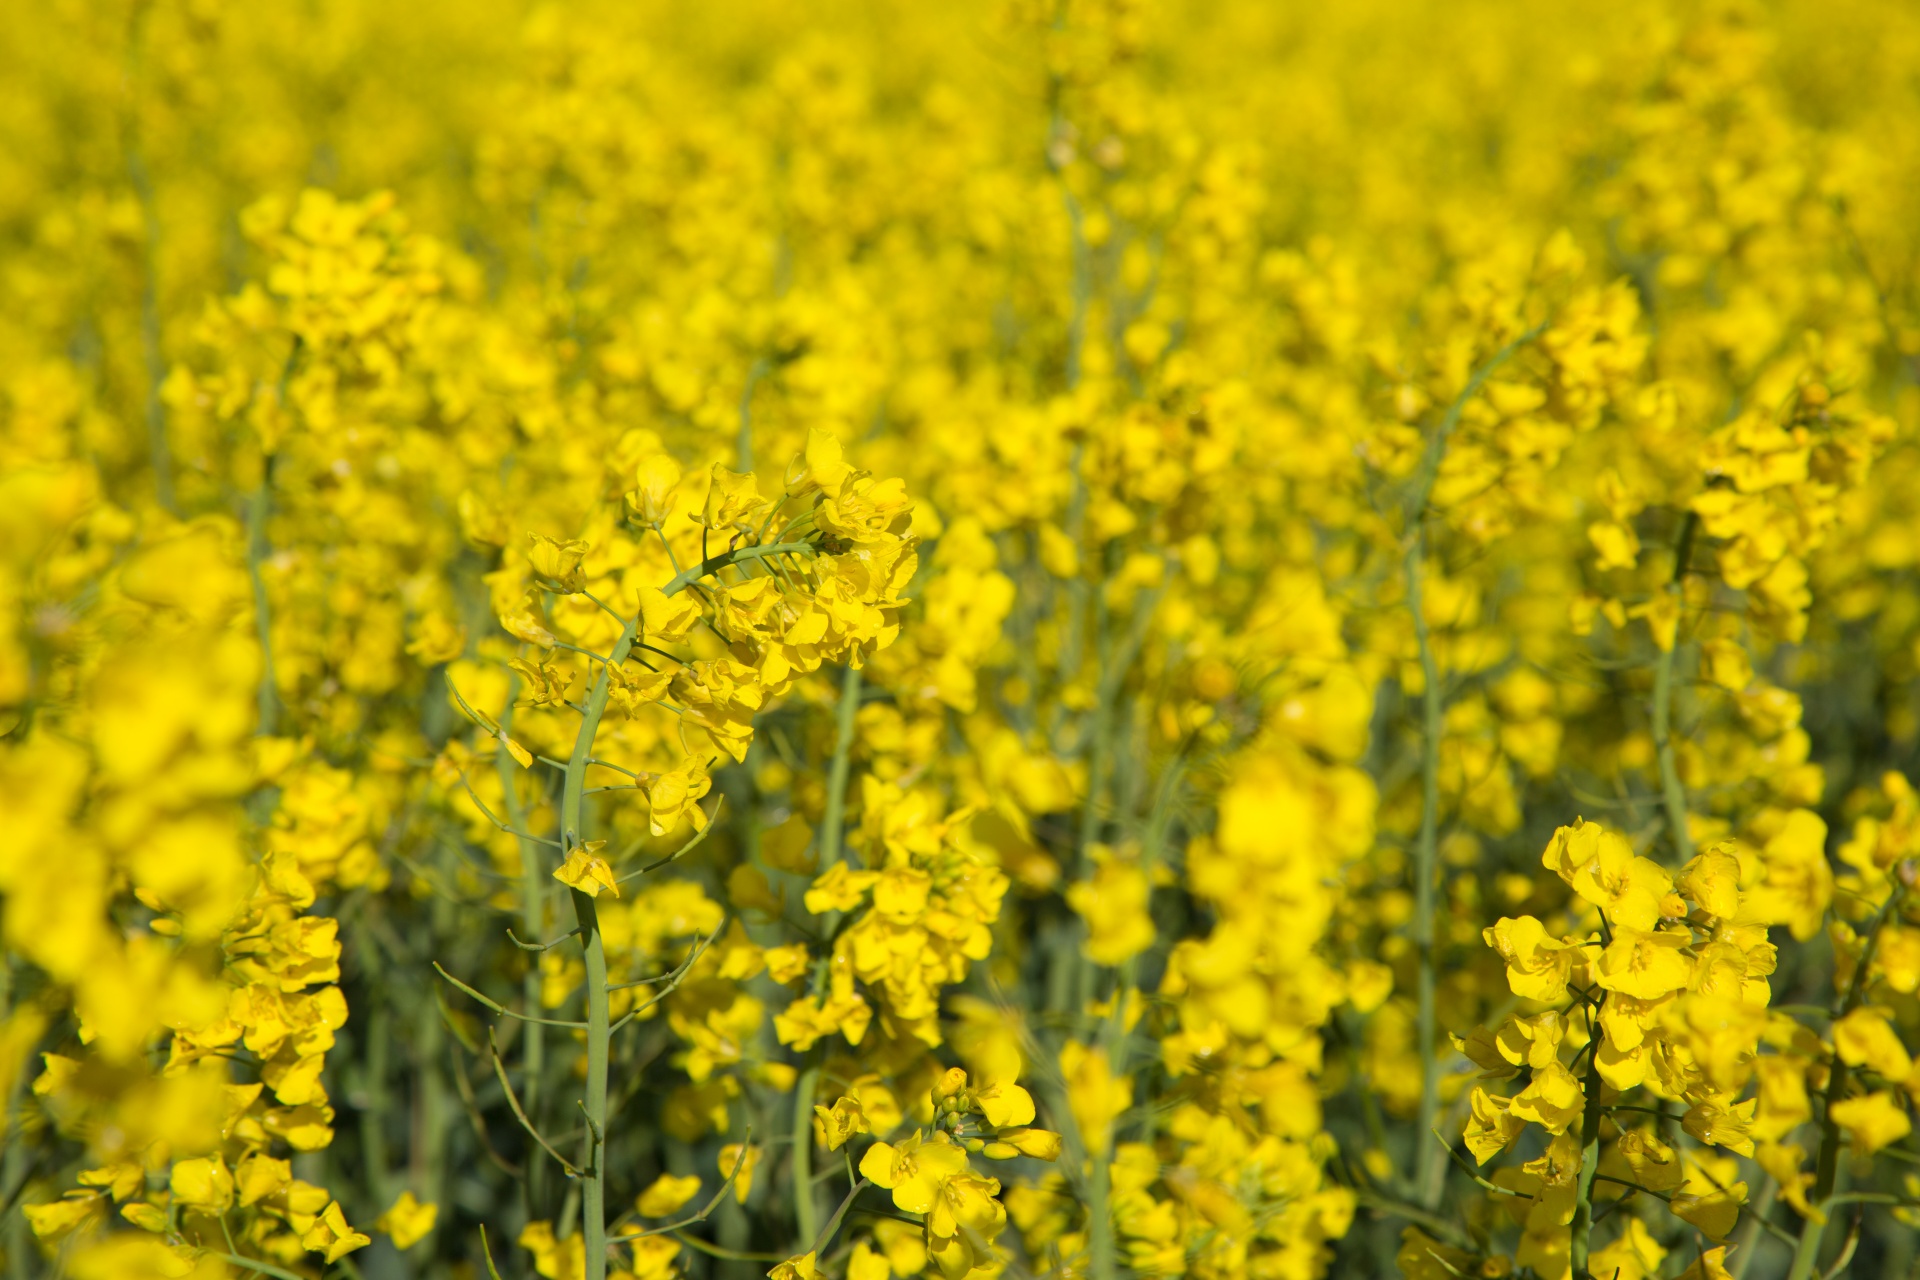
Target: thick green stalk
x,y
743,444
593,1195
1827,1167
1426,872
376,1114
257,550
13,1164
1432,714
833,818
1744,1246
1589,1154
593,1191
1101,1251
533,922
806,1213
432,1114
1672,794
159,453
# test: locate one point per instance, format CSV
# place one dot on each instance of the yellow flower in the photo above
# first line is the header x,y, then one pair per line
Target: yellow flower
x,y
1537,966
967,1202
1783,1102
1114,902
1655,1165
1644,965
1633,1255
789,963
1039,1144
1714,1213
437,639
204,1183
822,465
541,684
839,888
1491,1125
1872,1121
1865,1038
675,795
862,509
1616,543
865,1264
147,1217
1798,882
331,1236
59,1218
1553,1099
1531,1042
554,1258
913,1169
259,1176
656,485
1712,880
836,1126
557,563
801,1267
1711,1265
732,499
1783,1163
408,1221
1712,1120
1004,1103
586,871
738,1161
1630,891
1094,1094
628,692
1726,664
666,1195
666,619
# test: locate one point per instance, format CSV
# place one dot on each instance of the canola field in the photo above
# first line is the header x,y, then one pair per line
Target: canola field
x,y
1048,638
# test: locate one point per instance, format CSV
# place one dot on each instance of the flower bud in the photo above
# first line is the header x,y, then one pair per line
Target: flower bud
x,y
656,485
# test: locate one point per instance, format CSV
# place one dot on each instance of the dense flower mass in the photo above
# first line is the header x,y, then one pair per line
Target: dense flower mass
x,y
1100,638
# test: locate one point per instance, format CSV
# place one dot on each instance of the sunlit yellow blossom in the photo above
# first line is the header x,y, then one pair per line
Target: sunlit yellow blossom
x,y
408,1221
737,1162
666,1195
586,871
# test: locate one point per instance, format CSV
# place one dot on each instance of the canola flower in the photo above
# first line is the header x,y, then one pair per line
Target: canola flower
x,y
1098,639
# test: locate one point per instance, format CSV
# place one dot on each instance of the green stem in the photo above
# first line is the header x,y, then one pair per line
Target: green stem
x,y
257,550
1426,871
1743,1250
806,1213
1589,1157
743,445
1101,1251
375,1116
839,1215
1428,1173
833,819
1673,795
533,893
1827,1169
13,1164
160,455
254,1264
714,563
599,1032
593,1195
